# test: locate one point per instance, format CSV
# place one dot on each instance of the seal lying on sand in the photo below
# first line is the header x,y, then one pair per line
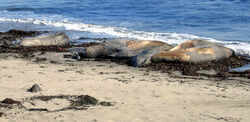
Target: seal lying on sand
x,y
145,56
120,48
194,51
140,50
54,39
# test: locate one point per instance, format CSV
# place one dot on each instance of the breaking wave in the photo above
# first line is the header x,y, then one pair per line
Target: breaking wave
x,y
72,24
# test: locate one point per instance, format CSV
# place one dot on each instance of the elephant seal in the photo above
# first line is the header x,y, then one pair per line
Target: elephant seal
x,y
136,48
133,44
54,39
145,56
194,51
113,48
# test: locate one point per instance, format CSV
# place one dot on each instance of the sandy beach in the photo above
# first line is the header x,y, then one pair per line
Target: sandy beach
x,y
135,93
124,61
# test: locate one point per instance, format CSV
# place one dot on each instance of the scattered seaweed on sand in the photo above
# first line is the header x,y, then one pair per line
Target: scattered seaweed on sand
x,y
222,67
10,101
77,102
13,35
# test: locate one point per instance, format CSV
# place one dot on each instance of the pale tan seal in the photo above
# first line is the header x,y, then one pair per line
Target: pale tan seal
x,y
54,39
134,44
194,51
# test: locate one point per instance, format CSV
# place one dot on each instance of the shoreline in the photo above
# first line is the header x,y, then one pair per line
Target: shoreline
x,y
221,67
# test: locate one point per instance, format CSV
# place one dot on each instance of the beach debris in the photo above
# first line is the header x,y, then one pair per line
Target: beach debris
x,y
207,72
10,101
76,102
48,39
38,109
70,102
84,100
243,69
106,104
35,88
38,59
14,35
221,67
194,51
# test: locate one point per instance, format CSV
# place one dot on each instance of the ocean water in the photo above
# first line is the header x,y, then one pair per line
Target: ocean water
x,y
226,22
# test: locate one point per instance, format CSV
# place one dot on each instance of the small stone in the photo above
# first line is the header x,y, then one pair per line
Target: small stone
x,y
35,88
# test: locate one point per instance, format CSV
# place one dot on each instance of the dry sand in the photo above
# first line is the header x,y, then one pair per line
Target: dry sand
x,y
137,94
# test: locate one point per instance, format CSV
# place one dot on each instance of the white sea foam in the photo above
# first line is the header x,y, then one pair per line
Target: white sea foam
x,y
72,24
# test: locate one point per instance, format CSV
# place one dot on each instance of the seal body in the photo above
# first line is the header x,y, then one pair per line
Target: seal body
x,y
135,48
143,52
54,39
137,44
120,48
145,56
194,51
